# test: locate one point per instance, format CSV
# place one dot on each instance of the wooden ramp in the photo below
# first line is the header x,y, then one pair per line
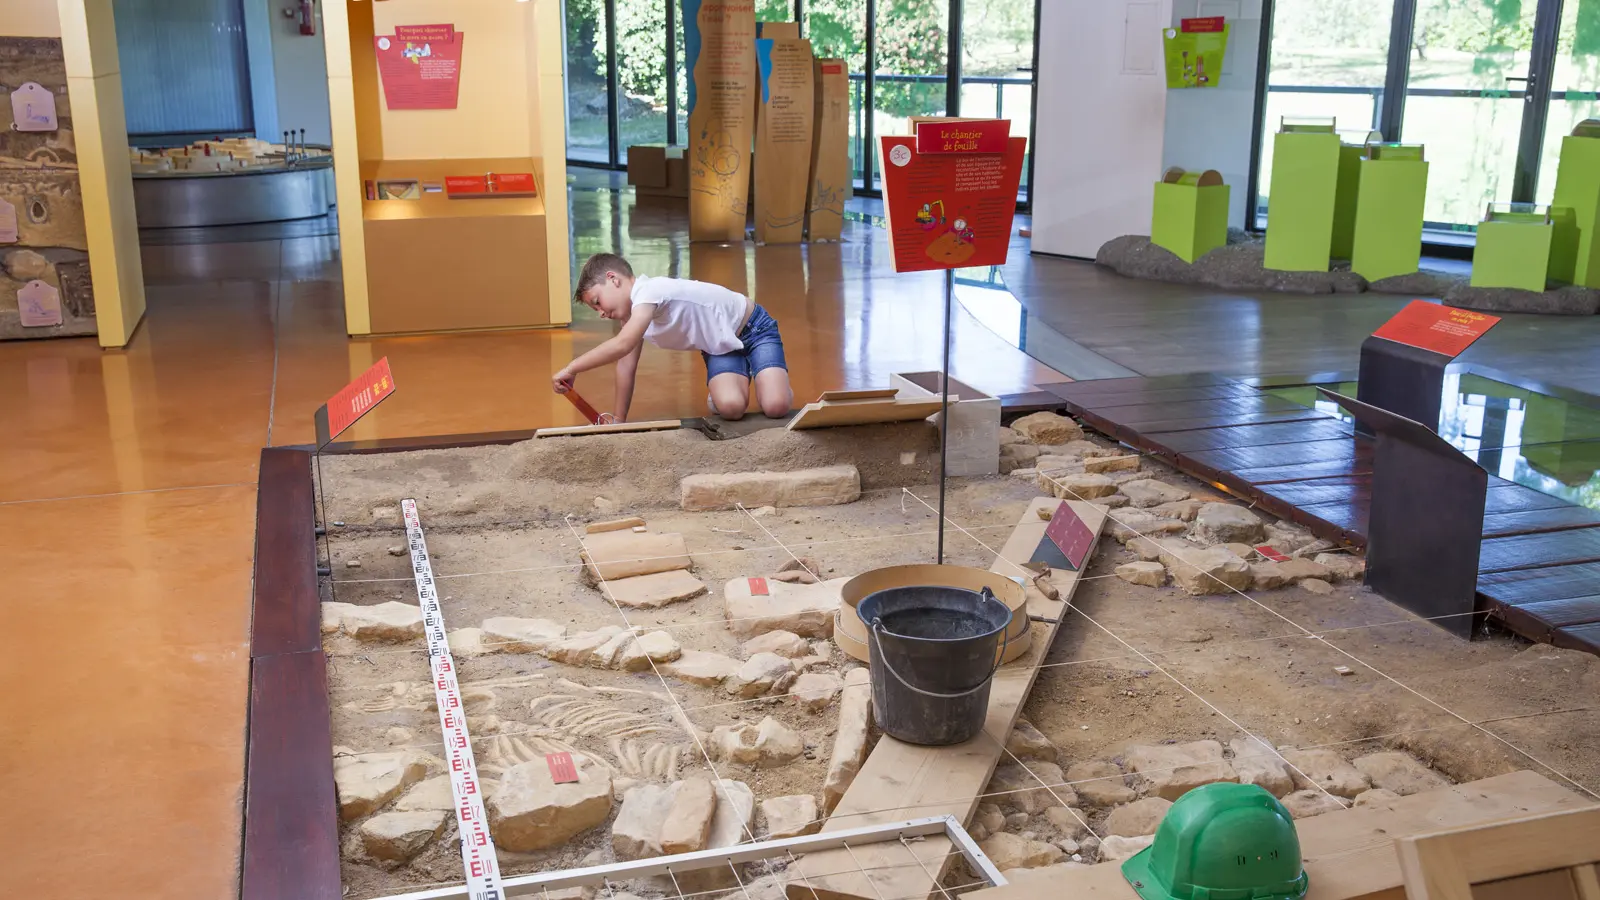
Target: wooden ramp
x,y
1311,468
902,781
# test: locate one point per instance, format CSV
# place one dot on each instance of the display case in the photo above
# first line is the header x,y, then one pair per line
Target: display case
x,y
1515,245
1392,188
1305,179
437,232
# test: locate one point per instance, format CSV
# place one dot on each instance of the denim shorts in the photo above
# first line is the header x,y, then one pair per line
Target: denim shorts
x,y
763,349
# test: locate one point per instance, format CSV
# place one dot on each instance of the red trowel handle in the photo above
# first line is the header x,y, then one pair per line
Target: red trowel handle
x,y
583,406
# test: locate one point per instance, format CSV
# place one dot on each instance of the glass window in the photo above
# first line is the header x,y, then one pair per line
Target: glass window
x,y
1574,85
997,64
587,107
774,11
641,73
1466,60
838,30
1329,58
912,52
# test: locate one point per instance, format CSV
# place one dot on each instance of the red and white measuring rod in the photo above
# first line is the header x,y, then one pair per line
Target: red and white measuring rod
x,y
477,847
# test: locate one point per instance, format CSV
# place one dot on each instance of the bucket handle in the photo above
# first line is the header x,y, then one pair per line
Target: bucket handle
x,y
1005,641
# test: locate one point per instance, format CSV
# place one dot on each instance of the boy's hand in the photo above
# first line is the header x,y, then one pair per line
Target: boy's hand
x,y
563,381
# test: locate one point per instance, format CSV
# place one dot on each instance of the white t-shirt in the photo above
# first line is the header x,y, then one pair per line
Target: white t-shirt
x,y
690,315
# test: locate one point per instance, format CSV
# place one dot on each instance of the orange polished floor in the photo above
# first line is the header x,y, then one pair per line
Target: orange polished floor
x,y
128,501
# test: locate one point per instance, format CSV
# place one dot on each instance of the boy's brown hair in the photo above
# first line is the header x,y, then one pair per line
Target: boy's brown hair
x,y
594,272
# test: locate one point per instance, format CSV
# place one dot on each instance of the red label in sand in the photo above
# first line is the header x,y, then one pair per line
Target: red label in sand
x,y
758,587
562,770
1271,553
1070,535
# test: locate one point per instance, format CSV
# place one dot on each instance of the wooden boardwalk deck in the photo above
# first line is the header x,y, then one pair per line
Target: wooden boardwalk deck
x,y
1539,567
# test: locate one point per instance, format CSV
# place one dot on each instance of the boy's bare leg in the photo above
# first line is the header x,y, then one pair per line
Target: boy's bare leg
x,y
730,395
773,394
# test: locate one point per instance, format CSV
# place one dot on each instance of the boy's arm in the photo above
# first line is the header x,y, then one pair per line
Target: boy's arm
x,y
626,368
626,341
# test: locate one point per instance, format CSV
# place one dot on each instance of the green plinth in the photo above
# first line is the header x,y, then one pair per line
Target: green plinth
x,y
1344,200
1189,220
1305,179
1388,228
1578,188
1513,254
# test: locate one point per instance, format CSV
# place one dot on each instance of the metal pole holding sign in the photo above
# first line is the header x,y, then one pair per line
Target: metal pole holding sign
x,y
944,404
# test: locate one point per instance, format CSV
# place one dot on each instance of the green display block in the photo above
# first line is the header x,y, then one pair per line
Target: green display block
x,y
1388,229
1305,180
1578,188
1344,201
1190,220
1513,253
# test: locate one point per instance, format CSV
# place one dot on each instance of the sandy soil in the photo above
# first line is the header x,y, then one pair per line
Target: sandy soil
x,y
498,528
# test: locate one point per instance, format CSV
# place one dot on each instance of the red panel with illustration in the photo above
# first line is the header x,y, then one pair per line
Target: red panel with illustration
x,y
950,210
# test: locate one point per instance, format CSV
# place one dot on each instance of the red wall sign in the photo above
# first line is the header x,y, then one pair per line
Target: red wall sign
x,y
495,185
422,71
353,401
983,136
1442,329
1208,24
948,210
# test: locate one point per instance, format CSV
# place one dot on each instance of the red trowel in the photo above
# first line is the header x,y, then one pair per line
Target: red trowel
x,y
583,406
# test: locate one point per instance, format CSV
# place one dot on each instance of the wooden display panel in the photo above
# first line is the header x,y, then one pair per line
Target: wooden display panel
x,y
720,43
829,183
783,139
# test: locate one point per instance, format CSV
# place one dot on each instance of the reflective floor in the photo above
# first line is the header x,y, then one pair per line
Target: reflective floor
x,y
1547,442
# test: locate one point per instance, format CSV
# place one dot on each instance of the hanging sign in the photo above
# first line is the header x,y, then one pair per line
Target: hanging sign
x,y
33,108
353,401
1441,329
948,210
39,305
422,71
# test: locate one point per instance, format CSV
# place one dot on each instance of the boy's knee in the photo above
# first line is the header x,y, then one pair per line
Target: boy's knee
x,y
775,409
727,409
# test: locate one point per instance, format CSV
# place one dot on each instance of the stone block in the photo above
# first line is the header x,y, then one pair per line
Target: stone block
x,y
827,486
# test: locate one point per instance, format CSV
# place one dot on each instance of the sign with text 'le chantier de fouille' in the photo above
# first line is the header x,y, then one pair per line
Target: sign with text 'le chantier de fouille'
x,y
951,192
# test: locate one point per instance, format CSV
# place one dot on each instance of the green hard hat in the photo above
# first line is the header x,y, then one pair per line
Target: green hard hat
x,y
1221,842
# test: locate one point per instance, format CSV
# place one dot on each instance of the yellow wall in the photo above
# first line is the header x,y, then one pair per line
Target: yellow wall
x,y
31,18
511,104
94,84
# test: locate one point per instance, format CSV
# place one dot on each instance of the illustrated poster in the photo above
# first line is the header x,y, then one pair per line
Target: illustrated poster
x,y
949,210
719,46
420,66
1194,52
783,139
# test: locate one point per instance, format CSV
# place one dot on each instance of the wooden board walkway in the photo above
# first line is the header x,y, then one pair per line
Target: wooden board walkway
x,y
1539,566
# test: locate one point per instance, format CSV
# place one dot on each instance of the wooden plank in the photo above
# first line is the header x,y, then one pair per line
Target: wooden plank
x,y
1225,409
614,525
1235,458
1540,621
1195,423
1537,521
1349,854
1505,498
1322,491
874,394
285,616
901,781
617,428
1254,435
1578,637
1079,393
1070,389
1535,585
864,412
1444,865
1333,468
1532,551
291,826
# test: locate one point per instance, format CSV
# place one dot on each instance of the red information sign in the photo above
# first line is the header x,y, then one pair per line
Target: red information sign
x,y
1070,534
1271,553
562,769
1442,329
1204,25
420,73
758,587
833,68
515,184
355,400
955,136
948,210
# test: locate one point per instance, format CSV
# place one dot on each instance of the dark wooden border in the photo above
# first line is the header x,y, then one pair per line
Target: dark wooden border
x,y
291,825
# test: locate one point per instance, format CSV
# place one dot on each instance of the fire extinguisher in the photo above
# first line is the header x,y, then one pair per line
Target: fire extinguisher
x,y
308,17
